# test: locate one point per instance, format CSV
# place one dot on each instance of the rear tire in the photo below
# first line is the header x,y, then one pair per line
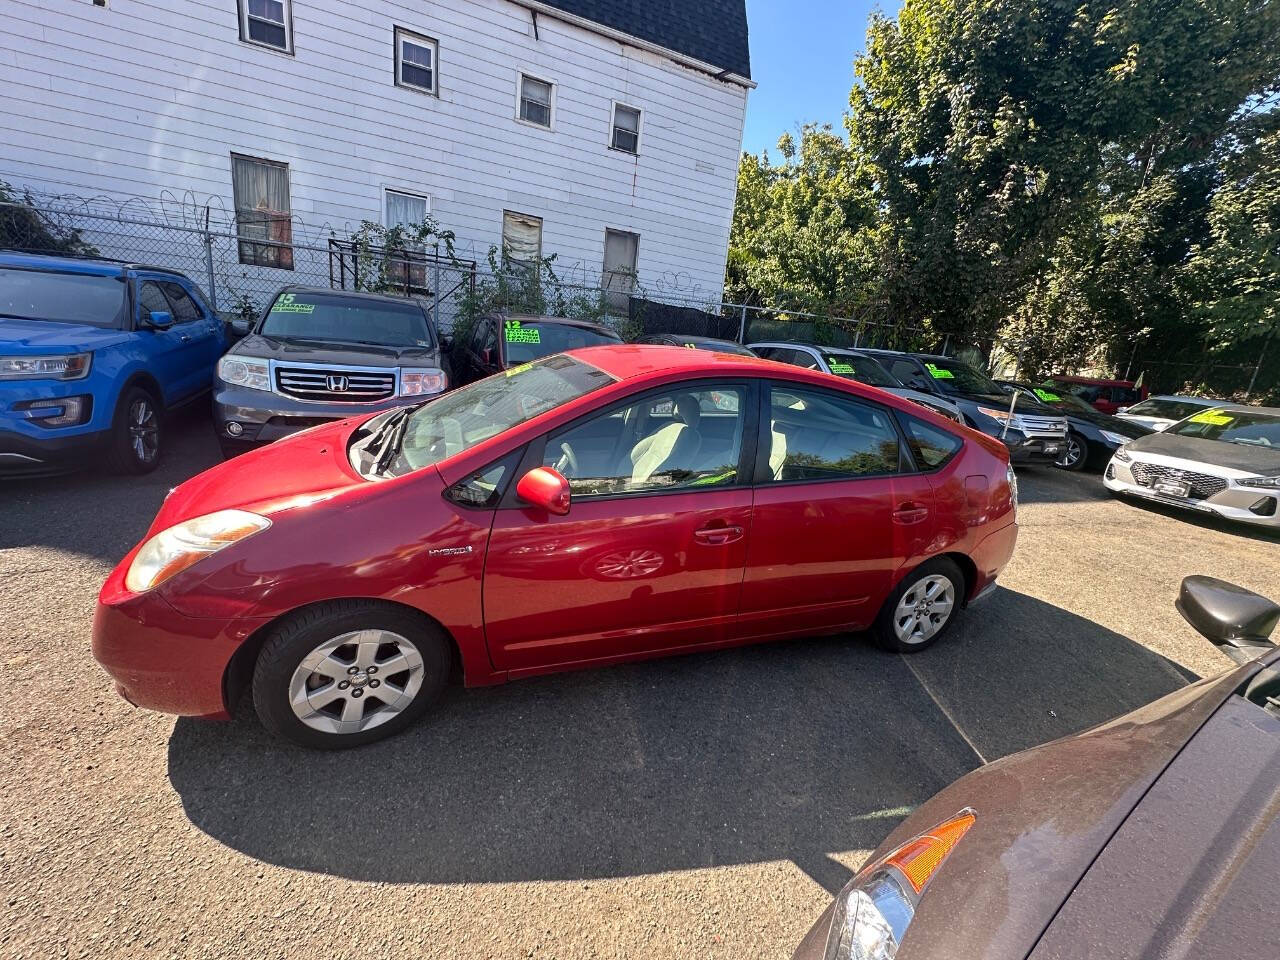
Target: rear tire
x,y
1075,454
137,433
346,673
921,608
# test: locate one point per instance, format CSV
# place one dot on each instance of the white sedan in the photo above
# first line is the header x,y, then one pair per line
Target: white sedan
x,y
1162,412
1223,460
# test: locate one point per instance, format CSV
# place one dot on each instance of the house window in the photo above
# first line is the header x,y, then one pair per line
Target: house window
x,y
535,101
268,22
416,61
626,129
261,192
406,209
620,251
521,238
407,266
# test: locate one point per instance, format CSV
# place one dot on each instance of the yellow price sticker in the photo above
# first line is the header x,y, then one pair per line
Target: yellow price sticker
x,y
1213,418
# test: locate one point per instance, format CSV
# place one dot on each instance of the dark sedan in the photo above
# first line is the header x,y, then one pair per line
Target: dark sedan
x,y
1156,835
502,341
696,343
1092,436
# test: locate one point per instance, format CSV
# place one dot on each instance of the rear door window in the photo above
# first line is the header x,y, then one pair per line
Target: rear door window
x,y
931,446
815,435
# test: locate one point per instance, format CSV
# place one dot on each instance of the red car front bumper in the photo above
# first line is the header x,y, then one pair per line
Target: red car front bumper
x,y
163,660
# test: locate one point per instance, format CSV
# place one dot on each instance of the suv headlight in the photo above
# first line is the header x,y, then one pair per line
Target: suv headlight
x,y
71,366
1122,455
422,381
173,550
1264,483
1002,416
1115,438
248,372
873,912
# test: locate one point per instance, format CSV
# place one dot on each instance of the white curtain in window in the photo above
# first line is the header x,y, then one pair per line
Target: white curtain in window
x,y
261,193
521,238
404,209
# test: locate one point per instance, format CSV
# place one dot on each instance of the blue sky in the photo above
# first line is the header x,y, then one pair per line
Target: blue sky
x,y
802,58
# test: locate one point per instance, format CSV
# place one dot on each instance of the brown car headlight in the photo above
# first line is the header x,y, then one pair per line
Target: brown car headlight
x,y
873,912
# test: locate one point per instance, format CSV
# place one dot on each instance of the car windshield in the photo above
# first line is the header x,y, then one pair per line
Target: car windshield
x,y
530,339
343,319
1166,409
956,377
1232,426
1055,396
459,420
61,297
862,369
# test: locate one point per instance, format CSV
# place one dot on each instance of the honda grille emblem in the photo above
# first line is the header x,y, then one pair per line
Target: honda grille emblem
x,y
338,383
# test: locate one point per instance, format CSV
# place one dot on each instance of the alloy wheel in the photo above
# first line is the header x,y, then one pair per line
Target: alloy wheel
x,y
356,681
144,430
1072,454
924,609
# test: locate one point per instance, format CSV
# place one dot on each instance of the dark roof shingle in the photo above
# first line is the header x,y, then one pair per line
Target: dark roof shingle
x,y
713,31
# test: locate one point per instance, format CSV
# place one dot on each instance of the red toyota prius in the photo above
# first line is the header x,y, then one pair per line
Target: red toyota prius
x,y
608,504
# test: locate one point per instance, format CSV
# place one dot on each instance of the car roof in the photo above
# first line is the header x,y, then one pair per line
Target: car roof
x,y
687,338
562,321
1184,399
806,345
341,292
1093,381
89,266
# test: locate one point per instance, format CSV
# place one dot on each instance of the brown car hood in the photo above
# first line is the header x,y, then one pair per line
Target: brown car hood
x,y
1195,870
1042,817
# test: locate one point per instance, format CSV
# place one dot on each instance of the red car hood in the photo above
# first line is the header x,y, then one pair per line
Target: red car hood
x,y
307,466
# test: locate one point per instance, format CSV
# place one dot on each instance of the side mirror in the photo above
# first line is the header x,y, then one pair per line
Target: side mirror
x,y
1235,620
446,342
160,319
545,488
486,356
240,326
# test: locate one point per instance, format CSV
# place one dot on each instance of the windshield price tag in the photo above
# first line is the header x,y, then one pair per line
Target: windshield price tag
x,y
1213,418
840,367
938,373
1048,396
518,334
285,303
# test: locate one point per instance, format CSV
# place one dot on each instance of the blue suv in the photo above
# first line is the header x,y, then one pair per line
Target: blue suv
x,y
92,355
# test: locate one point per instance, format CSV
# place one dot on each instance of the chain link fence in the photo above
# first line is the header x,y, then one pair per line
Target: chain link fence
x,y
240,266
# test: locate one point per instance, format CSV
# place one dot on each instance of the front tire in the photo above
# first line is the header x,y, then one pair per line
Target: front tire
x,y
136,433
921,608
343,674
1075,454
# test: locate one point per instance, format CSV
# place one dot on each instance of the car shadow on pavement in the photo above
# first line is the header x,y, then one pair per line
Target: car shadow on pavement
x,y
780,751
1048,484
97,514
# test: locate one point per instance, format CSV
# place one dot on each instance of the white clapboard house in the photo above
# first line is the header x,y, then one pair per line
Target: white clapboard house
x,y
606,132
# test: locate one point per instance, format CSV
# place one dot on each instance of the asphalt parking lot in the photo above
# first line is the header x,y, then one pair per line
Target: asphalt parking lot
x,y
702,806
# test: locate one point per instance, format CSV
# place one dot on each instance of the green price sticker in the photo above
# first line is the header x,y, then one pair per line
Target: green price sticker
x,y
515,333
1213,418
285,303
840,367
938,373
1048,396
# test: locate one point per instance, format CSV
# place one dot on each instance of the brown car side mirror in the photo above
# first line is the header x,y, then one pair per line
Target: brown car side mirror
x,y
1235,620
545,488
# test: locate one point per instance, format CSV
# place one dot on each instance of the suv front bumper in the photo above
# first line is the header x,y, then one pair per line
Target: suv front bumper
x,y
1033,448
263,417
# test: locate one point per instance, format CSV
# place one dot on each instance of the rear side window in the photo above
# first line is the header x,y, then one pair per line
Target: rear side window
x,y
814,435
930,446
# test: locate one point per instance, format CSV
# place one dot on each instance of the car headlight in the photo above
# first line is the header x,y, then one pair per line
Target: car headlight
x,y
1002,416
173,550
1115,438
422,381
1265,483
1122,455
71,366
873,912
248,372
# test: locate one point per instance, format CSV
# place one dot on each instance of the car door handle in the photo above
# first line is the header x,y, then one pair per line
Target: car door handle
x,y
718,536
910,513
